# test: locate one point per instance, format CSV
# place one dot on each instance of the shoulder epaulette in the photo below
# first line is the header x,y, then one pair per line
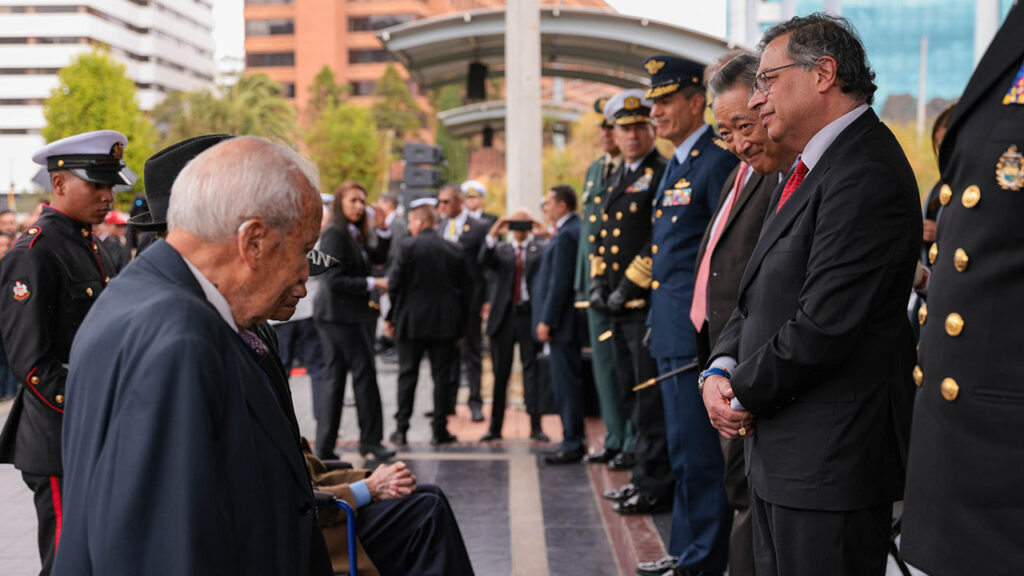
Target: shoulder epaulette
x,y
720,143
34,232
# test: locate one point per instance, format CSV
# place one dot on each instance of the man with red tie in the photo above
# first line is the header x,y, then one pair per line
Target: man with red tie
x,y
818,351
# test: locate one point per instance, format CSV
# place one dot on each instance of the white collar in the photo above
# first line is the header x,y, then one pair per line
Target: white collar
x,y
213,295
683,150
819,143
563,220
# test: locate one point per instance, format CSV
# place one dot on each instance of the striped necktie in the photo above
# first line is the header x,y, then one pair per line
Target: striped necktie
x,y
793,183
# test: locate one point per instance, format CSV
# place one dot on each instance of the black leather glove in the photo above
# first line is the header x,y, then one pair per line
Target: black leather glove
x,y
599,294
617,300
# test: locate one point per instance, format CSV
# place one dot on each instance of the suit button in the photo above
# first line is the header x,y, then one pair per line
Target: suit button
x,y
655,285
59,399
604,217
34,380
591,238
743,312
971,197
950,389
933,252
615,266
616,232
615,249
960,260
658,213
918,376
600,249
954,324
674,218
618,215
654,249
945,193
604,233
88,291
597,200
922,314
593,218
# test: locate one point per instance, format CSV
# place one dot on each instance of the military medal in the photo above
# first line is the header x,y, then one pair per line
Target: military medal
x,y
1010,169
1015,95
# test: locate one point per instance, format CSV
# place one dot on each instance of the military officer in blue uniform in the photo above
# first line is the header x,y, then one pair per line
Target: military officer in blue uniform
x,y
50,278
687,198
618,437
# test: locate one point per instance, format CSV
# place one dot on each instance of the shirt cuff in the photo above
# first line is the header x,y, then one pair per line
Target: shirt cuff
x,y
727,363
369,284
491,241
384,233
361,492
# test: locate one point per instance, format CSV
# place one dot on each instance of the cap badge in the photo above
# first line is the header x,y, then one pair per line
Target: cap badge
x,y
21,292
1010,170
631,103
117,150
654,66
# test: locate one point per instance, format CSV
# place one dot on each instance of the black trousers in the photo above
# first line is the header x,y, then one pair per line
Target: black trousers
x,y
567,388
410,354
469,362
516,327
417,534
652,473
300,339
47,492
348,347
794,542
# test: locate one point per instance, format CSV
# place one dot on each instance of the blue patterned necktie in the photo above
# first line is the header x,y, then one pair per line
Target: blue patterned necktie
x,y
254,341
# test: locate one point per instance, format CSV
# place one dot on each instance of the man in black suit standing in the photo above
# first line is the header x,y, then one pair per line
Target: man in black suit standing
x,y
963,504
555,320
429,285
819,350
458,227
514,265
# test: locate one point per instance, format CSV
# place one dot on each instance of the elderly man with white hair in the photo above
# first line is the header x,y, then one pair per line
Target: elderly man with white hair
x,y
178,457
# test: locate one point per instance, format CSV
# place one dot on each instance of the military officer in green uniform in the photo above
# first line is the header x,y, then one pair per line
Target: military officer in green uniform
x,y
618,438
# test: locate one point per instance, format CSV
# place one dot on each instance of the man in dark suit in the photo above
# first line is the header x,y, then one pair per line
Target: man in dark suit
x,y
686,199
430,287
555,321
458,227
963,502
819,350
724,252
182,422
620,270
514,265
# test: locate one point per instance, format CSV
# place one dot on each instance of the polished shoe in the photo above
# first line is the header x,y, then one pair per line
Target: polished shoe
x,y
639,504
379,452
564,456
657,567
478,415
398,437
680,571
538,436
602,456
443,438
490,437
622,461
623,492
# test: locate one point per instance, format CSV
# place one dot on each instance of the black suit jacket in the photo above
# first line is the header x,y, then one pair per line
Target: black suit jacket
x,y
552,289
821,333
963,505
501,260
430,288
735,244
471,238
343,297
176,439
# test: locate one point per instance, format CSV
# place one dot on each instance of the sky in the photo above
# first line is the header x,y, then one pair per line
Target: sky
x,y
707,16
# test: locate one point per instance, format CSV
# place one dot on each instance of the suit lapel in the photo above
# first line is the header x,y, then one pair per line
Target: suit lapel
x,y
750,188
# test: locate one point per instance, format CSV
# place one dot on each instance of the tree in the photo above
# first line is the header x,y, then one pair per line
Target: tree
x,y
394,109
456,150
94,93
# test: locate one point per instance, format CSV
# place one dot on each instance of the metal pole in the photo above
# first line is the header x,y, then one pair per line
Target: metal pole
x,y
523,138
922,87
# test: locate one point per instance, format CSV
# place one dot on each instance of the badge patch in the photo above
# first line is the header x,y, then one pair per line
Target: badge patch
x,y
678,197
20,291
643,183
1015,95
1010,170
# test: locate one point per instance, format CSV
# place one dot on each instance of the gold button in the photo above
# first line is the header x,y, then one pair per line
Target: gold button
x,y
591,238
618,215
60,162
933,253
95,249
88,291
918,376
616,232
604,217
954,324
34,380
597,200
615,266
950,389
658,213
654,249
694,153
674,218
593,217
945,193
922,313
655,284
604,233
600,249
85,233
615,249
971,197
633,207
960,260
106,280
59,399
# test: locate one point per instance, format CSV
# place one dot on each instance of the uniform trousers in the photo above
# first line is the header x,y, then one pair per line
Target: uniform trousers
x,y
567,389
348,347
618,429
795,542
515,328
652,474
417,534
47,492
410,354
701,516
300,340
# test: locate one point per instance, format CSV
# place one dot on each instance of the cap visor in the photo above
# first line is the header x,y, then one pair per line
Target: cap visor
x,y
145,223
101,176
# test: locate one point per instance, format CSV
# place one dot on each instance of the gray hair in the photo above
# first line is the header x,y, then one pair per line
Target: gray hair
x,y
734,70
239,179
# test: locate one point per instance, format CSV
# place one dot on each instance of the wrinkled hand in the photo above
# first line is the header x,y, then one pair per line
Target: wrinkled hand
x,y
543,332
389,329
381,284
391,481
929,230
617,301
718,394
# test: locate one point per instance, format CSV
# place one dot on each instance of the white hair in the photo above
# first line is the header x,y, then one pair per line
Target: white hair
x,y
239,179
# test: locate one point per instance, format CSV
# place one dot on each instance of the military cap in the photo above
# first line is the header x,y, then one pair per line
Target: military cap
x,y
474,188
93,156
628,107
319,262
162,169
599,108
670,74
424,201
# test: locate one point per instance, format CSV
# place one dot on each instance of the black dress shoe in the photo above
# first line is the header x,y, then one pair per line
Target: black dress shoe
x,y
622,461
679,571
538,436
623,492
640,504
379,452
657,567
564,456
490,437
398,437
601,457
442,438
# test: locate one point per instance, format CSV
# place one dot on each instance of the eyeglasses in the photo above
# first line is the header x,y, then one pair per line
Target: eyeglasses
x,y
761,83
444,201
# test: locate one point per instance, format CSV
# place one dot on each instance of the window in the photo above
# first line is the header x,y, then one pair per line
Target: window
x,y
269,27
363,88
368,56
288,89
368,23
270,59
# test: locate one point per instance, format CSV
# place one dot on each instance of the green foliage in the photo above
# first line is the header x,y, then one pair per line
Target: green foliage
x,y
569,165
95,94
456,150
394,108
919,153
324,92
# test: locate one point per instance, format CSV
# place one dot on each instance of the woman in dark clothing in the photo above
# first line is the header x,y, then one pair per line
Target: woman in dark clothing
x,y
346,317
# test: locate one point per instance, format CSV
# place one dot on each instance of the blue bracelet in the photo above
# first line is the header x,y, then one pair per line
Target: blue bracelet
x,y
716,372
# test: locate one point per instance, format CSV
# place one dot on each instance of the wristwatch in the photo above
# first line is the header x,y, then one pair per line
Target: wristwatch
x,y
707,374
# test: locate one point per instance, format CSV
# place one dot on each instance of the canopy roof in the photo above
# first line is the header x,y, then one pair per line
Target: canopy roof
x,y
473,118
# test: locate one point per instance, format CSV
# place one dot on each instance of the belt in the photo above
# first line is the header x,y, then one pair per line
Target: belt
x,y
522,307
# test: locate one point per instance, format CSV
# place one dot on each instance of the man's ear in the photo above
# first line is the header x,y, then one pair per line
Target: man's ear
x,y
57,182
827,74
255,241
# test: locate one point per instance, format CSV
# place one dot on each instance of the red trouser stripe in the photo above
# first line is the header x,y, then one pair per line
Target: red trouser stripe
x,y
55,491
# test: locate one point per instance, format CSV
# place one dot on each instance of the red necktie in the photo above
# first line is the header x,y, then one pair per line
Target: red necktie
x,y
699,305
517,291
793,183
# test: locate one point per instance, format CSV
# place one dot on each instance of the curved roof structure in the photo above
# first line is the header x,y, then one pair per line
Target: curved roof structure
x,y
575,43
473,118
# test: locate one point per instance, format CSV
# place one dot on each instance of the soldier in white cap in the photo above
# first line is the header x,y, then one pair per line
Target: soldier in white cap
x,y
473,194
49,279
